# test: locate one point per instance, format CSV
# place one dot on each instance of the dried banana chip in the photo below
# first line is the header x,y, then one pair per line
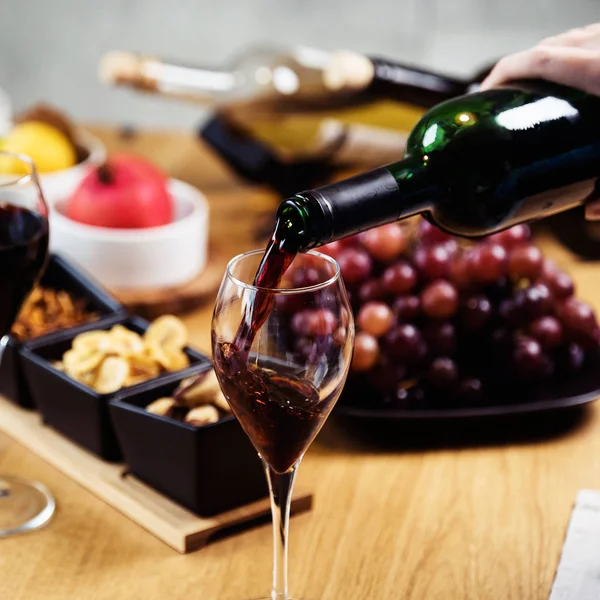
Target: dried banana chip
x,y
87,378
142,365
156,352
134,380
92,340
168,332
110,360
125,342
77,363
178,359
112,375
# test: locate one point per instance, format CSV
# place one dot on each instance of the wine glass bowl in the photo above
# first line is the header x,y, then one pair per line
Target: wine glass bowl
x,y
23,234
282,373
285,386
23,255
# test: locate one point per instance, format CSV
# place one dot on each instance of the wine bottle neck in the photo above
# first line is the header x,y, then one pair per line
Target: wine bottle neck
x,y
181,81
341,209
419,87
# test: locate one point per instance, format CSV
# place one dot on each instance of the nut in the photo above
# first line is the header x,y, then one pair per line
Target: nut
x,y
186,390
163,407
221,402
202,415
201,389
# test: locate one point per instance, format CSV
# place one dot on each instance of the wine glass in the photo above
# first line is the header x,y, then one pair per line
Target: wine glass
x,y
24,505
283,383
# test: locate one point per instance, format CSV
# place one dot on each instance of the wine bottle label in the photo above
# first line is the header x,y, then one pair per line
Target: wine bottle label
x,y
360,144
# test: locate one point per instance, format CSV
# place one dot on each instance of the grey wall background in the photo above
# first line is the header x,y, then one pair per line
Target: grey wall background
x,y
49,48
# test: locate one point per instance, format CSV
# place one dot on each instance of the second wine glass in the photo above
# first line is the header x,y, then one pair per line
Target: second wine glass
x,y
23,254
283,385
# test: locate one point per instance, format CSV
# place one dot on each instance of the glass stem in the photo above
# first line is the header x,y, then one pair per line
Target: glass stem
x,y
280,489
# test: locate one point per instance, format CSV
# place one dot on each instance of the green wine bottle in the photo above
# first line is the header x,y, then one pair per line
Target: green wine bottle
x,y
474,165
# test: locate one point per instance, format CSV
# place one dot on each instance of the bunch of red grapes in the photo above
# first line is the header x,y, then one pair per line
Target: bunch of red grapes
x,y
444,322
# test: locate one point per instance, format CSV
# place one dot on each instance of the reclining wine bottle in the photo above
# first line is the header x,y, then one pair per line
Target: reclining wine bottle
x,y
280,80
338,108
474,165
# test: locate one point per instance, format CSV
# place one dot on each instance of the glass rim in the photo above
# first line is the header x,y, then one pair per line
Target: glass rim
x,y
18,179
283,291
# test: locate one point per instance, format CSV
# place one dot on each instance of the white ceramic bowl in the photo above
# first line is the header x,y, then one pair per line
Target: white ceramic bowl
x,y
155,257
59,184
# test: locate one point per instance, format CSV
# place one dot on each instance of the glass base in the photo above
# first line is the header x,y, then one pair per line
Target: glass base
x,y
24,506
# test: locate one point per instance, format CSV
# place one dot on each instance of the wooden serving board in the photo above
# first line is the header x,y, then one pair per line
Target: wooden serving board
x,y
153,302
176,526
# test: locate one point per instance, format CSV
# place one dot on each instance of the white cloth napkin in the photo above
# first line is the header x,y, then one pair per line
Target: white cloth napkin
x,y
578,573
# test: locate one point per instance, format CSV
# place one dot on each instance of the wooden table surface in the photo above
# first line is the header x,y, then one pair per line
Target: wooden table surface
x,y
484,522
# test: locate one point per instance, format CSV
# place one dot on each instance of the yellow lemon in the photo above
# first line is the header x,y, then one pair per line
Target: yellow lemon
x,y
48,147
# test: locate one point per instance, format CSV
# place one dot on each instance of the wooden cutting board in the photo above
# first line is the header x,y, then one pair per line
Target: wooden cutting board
x,y
176,526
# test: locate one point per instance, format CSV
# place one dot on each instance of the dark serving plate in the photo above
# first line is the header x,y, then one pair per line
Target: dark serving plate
x,y
208,469
59,275
76,410
575,391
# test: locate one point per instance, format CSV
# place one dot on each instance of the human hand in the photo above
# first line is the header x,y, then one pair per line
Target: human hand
x,y
571,58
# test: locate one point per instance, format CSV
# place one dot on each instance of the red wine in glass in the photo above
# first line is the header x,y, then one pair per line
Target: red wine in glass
x,y
281,413
23,253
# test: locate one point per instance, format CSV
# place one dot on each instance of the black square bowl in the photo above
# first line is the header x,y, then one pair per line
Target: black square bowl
x,y
74,409
59,275
208,469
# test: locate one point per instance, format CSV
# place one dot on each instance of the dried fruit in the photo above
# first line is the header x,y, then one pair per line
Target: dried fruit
x,y
112,375
48,310
110,360
77,363
168,332
125,342
92,340
178,360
